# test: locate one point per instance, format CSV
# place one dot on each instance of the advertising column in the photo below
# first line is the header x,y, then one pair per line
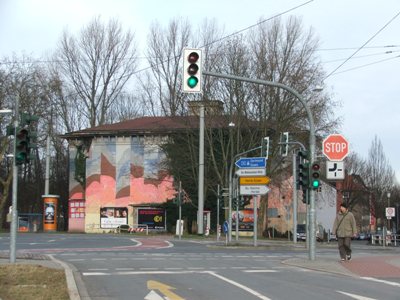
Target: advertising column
x,y
50,212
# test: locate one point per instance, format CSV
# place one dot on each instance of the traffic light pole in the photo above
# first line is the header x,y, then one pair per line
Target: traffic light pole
x,y
14,212
311,254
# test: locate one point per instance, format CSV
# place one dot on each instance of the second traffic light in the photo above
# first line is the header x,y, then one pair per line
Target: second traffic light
x,y
315,174
192,69
21,146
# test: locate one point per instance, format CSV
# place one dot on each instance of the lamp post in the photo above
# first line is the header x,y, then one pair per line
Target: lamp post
x,y
388,205
310,117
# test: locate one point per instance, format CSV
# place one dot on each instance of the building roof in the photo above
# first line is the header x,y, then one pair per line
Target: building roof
x,y
149,125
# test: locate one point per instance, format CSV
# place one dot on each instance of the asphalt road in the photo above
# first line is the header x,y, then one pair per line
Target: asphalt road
x,y
128,267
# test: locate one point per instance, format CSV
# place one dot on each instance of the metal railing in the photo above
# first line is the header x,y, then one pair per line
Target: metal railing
x,y
385,239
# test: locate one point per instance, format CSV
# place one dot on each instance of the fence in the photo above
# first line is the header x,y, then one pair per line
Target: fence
x,y
385,239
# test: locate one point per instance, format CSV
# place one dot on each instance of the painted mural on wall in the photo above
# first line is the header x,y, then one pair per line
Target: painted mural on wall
x,y
120,172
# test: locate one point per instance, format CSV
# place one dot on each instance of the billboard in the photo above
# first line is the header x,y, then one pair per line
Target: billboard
x,y
112,217
154,218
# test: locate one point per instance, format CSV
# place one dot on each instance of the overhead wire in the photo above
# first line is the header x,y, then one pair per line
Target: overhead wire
x,y
363,45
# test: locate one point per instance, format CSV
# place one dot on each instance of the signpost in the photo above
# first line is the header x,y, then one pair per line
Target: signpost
x,y
335,147
335,170
251,172
253,189
251,162
254,180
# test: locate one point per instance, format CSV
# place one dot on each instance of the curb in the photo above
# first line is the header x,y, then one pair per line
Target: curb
x,y
71,284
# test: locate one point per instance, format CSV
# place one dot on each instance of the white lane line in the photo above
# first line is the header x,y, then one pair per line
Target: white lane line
x,y
76,259
136,273
260,271
99,259
237,284
382,281
354,296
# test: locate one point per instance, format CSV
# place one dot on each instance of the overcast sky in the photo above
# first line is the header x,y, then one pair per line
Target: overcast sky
x,y
367,85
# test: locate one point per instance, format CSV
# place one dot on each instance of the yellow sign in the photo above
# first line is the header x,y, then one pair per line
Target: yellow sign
x,y
255,180
164,289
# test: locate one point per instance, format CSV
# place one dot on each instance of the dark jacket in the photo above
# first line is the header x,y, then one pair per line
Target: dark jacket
x,y
344,225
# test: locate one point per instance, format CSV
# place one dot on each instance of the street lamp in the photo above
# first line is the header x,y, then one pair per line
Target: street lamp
x,y
388,205
310,117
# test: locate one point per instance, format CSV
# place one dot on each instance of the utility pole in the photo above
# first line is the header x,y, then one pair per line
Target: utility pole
x,y
14,213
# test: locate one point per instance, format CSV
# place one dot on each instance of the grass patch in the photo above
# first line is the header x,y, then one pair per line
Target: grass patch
x,y
18,281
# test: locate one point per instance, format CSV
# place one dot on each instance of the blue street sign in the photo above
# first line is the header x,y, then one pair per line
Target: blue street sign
x,y
225,227
251,162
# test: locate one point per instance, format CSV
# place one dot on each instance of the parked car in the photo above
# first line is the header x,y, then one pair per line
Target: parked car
x,y
362,236
301,232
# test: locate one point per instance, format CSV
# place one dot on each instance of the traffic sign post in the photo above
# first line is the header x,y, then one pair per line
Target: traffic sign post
x,y
335,147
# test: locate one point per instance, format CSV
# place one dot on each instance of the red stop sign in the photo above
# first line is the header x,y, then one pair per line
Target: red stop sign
x,y
335,147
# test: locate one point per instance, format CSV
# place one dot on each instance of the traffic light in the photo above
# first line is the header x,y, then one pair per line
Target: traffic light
x,y
265,147
21,146
315,174
285,144
192,68
303,173
26,122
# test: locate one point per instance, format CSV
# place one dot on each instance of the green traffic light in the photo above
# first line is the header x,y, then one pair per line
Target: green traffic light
x,y
315,184
192,81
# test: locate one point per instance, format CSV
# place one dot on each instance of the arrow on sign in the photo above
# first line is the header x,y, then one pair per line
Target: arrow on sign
x,y
164,289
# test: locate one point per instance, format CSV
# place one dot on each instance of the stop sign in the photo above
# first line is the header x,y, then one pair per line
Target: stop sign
x,y
335,147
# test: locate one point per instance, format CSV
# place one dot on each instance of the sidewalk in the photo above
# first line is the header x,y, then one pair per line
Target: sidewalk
x,y
379,266
380,263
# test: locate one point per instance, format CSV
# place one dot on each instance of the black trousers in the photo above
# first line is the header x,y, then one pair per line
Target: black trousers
x,y
344,244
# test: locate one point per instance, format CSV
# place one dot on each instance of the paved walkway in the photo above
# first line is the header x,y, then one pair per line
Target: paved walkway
x,y
379,266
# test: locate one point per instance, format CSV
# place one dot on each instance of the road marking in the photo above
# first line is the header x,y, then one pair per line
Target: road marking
x,y
165,289
241,286
260,271
153,296
76,259
354,296
382,281
138,243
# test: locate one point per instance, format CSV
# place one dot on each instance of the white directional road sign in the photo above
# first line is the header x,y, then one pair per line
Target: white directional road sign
x,y
251,172
334,170
253,189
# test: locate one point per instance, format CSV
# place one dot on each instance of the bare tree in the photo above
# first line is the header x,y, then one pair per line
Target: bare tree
x,y
161,85
379,176
95,67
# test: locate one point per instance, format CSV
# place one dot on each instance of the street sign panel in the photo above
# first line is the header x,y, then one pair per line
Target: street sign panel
x,y
335,147
390,212
334,170
251,162
251,172
254,180
253,189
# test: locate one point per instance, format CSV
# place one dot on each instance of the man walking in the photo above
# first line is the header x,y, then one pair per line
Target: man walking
x,y
345,228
